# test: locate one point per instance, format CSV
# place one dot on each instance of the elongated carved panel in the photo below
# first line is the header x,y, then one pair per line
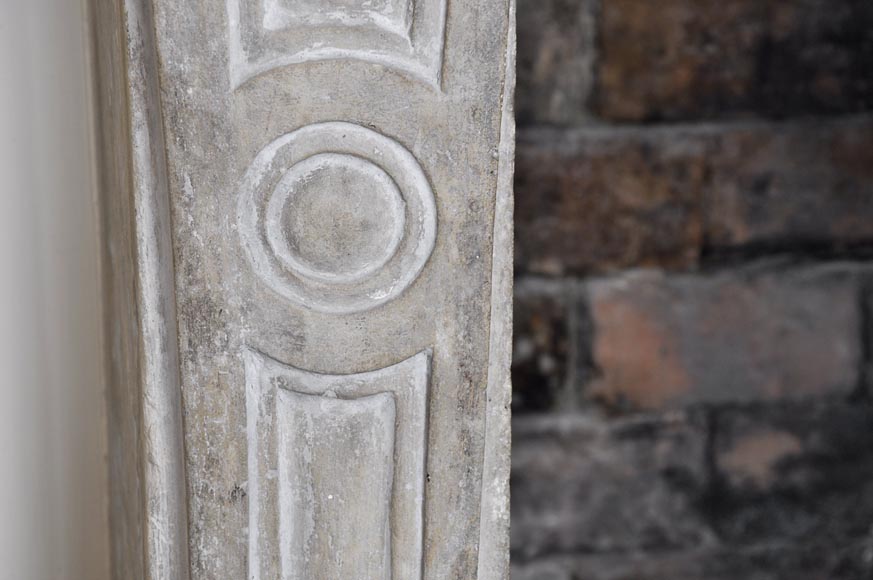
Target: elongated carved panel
x,y
336,470
328,182
336,464
403,35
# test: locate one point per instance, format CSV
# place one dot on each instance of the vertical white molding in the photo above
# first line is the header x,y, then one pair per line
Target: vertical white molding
x,y
148,487
162,439
494,518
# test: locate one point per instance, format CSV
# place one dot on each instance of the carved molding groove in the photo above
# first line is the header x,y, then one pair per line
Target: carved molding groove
x,y
336,217
404,35
336,468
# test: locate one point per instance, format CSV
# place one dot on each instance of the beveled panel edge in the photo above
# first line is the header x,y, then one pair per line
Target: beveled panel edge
x,y
149,472
163,439
414,64
295,556
416,368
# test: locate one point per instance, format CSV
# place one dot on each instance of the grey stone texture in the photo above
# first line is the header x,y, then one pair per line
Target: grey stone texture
x,y
308,213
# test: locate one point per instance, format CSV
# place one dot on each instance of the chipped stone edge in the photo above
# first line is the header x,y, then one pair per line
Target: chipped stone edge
x,y
149,490
494,506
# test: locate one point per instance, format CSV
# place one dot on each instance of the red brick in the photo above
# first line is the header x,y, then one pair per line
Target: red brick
x,y
740,335
816,561
600,200
796,472
786,185
696,59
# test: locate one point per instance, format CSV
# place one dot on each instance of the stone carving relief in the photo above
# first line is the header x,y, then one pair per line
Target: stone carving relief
x,y
404,35
337,217
232,463
336,470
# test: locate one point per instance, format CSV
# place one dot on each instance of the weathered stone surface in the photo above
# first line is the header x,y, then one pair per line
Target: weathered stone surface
x,y
543,345
700,59
336,469
600,200
315,243
556,58
147,508
580,485
765,333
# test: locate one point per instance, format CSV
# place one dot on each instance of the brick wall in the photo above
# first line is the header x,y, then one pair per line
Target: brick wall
x,y
694,304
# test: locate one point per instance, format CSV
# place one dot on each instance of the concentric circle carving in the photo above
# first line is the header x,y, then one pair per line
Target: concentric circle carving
x,y
337,217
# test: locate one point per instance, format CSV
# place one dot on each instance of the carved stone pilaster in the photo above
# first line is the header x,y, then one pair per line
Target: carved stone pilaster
x,y
308,217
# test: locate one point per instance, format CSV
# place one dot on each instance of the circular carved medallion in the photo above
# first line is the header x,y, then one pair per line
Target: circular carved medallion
x,y
337,217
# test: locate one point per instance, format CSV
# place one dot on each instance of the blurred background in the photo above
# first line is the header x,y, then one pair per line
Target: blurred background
x,y
694,292
53,520
694,303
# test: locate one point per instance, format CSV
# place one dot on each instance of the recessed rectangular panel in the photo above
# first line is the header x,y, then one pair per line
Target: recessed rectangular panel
x,y
406,36
335,472
336,468
389,14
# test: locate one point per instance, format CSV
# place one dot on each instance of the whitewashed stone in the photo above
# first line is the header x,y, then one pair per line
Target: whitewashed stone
x,y
308,217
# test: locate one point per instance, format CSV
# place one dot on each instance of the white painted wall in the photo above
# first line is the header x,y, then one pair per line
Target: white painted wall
x,y
52,436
